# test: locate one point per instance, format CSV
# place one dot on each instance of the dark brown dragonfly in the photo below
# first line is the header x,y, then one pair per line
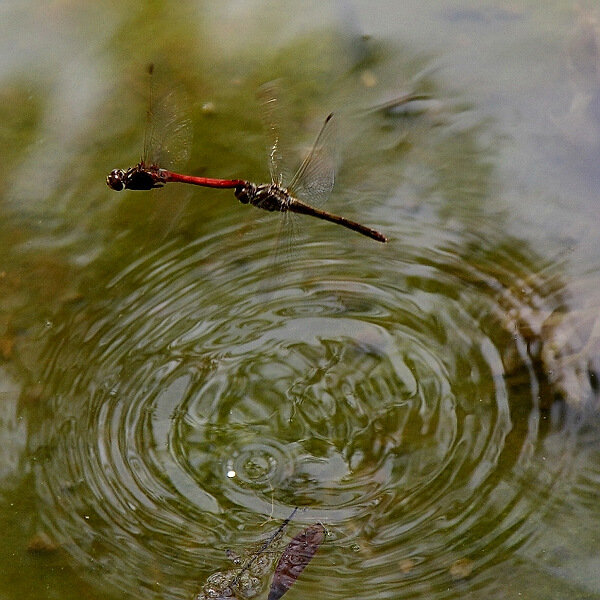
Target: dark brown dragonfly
x,y
313,182
265,545
294,559
296,556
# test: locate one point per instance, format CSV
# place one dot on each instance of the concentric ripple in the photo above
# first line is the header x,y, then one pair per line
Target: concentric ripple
x,y
205,392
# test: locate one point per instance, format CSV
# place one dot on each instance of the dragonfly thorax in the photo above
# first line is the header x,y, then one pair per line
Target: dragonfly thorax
x,y
268,196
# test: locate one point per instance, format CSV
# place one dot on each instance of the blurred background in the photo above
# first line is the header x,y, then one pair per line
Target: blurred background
x,y
179,371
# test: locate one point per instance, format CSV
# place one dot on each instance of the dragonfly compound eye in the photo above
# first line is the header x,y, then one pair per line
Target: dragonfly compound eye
x,y
245,193
115,180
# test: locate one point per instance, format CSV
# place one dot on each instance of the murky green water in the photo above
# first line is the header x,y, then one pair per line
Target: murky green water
x,y
174,383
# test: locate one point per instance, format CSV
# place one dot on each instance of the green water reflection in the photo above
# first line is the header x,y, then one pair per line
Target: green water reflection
x,y
168,387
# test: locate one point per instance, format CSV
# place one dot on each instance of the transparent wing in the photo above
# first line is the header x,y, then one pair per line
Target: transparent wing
x,y
168,136
172,135
290,235
315,178
271,112
148,151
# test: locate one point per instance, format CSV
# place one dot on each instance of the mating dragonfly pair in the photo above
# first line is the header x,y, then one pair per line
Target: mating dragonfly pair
x,y
313,181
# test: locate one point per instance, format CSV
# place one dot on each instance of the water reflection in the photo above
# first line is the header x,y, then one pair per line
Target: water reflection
x,y
398,395
199,396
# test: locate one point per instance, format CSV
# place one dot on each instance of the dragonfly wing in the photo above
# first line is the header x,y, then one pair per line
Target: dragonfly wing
x,y
296,556
168,135
149,133
315,178
289,239
271,117
172,134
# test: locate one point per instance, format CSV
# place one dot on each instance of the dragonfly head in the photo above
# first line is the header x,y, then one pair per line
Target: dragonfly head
x,y
246,193
116,180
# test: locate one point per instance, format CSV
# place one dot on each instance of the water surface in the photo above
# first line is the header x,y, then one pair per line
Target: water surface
x,y
173,386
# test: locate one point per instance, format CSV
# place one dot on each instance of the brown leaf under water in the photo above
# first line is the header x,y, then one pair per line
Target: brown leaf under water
x,y
297,554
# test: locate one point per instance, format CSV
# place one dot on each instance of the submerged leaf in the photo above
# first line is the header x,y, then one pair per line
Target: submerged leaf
x,y
297,554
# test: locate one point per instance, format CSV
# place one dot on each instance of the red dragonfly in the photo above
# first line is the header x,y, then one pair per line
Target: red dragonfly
x,y
313,181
